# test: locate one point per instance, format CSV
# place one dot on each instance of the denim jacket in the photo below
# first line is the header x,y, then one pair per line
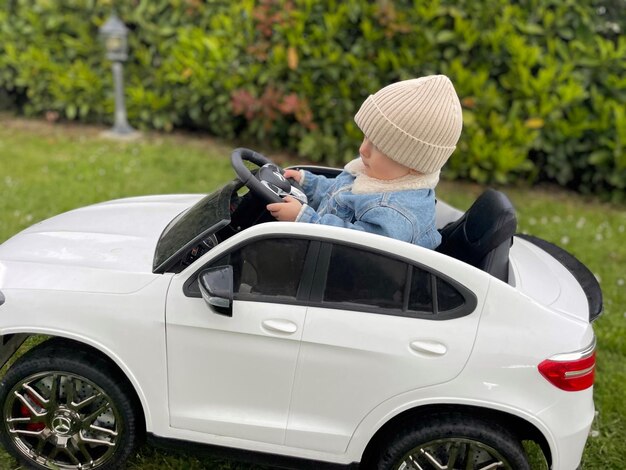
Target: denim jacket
x,y
407,215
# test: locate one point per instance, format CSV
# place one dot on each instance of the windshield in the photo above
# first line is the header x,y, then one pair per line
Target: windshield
x,y
194,224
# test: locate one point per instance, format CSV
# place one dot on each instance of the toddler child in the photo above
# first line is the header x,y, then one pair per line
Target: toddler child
x,y
410,130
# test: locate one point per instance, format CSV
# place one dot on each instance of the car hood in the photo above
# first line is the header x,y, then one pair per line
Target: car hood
x,y
119,235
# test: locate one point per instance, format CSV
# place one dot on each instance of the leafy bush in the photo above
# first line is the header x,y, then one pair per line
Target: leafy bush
x,y
541,82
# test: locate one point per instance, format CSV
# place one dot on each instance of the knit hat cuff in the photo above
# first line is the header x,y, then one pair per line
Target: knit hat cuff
x,y
396,143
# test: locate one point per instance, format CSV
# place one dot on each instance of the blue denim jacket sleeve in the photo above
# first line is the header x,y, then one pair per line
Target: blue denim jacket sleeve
x,y
381,220
315,187
405,215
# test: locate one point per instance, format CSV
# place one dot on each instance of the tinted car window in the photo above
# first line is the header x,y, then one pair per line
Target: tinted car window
x,y
357,279
364,278
421,297
448,297
203,218
267,267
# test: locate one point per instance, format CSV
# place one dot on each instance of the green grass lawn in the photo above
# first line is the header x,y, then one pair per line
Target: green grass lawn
x,y
47,169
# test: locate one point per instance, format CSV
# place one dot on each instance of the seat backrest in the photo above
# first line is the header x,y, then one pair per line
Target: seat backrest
x,y
483,235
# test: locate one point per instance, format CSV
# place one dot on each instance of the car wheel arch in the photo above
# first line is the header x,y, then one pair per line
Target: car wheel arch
x,y
521,428
101,352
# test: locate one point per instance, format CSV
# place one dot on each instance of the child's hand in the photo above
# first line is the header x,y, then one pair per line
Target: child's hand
x,y
295,174
286,211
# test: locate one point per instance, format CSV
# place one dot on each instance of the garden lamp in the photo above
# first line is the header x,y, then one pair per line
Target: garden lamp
x,y
115,36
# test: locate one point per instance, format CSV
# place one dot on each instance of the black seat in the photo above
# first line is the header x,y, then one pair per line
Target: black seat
x,y
483,236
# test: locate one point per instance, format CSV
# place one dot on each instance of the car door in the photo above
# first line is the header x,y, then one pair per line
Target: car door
x,y
232,375
378,326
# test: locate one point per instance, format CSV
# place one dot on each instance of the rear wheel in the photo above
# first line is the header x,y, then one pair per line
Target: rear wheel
x,y
67,409
453,441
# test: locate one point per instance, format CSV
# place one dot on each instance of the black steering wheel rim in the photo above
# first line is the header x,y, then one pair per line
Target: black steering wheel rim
x,y
247,177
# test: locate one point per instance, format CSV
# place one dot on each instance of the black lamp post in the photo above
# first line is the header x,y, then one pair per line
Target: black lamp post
x,y
115,35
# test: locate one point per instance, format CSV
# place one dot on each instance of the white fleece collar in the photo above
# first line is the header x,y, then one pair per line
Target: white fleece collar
x,y
364,184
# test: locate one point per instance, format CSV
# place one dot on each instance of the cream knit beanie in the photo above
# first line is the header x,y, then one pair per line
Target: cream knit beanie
x,y
415,122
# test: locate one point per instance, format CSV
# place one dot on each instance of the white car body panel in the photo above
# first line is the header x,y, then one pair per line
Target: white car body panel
x,y
335,357
508,366
231,376
87,275
49,277
128,328
542,277
341,350
119,235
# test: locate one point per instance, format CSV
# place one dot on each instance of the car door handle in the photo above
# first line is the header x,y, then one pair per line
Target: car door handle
x,y
280,326
431,348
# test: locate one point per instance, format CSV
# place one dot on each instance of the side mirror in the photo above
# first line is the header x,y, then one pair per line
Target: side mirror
x,y
216,287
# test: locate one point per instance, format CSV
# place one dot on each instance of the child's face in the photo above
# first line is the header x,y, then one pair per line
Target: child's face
x,y
378,165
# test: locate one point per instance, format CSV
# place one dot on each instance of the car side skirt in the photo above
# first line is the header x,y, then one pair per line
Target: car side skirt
x,y
249,456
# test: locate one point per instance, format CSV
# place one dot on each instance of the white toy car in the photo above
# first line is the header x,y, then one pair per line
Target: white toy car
x,y
187,319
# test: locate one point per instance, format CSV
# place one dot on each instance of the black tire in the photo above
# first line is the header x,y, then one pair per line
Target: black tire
x,y
67,408
452,440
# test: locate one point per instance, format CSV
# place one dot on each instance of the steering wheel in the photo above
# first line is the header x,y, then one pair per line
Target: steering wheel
x,y
268,182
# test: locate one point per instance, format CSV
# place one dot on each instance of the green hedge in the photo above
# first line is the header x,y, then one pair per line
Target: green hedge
x,y
542,82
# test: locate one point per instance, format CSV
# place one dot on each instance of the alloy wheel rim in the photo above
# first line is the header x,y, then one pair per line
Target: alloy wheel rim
x,y
61,420
452,454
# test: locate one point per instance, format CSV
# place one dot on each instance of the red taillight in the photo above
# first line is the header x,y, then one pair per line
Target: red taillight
x,y
571,375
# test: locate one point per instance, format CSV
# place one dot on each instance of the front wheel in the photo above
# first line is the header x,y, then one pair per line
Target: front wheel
x,y
453,441
66,408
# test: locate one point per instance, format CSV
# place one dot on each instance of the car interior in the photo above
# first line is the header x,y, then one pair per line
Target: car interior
x,y
481,236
